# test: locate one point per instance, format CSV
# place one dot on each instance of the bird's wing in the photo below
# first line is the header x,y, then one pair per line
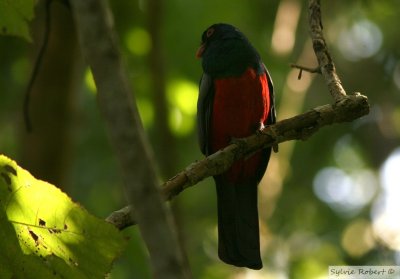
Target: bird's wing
x,y
272,112
204,112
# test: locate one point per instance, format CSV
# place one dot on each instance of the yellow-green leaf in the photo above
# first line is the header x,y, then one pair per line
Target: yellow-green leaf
x,y
15,16
45,235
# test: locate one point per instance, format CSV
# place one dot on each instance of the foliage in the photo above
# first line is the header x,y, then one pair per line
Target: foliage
x,y
15,16
46,235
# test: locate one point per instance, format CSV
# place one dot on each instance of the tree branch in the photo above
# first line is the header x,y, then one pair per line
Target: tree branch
x,y
299,127
316,70
324,58
345,109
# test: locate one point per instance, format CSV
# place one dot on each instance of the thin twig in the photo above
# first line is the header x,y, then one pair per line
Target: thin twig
x,y
37,65
316,70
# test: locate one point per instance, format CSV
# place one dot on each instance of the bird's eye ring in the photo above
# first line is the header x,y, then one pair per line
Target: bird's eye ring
x,y
210,32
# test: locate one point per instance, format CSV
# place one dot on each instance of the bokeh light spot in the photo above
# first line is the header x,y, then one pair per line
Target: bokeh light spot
x,y
283,36
362,40
357,238
180,124
332,185
345,193
183,94
89,81
385,212
138,41
346,156
182,98
20,70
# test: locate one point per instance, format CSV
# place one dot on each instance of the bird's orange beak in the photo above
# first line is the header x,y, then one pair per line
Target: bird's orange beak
x,y
199,52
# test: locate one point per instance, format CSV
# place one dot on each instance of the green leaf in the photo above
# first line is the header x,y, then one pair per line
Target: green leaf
x,y
14,17
45,235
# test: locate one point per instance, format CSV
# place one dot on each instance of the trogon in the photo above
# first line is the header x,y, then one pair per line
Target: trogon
x,y
236,99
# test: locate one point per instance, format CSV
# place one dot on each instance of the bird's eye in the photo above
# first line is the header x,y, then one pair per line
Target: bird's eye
x,y
210,32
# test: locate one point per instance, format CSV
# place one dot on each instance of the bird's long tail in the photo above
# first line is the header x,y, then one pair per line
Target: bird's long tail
x,y
238,232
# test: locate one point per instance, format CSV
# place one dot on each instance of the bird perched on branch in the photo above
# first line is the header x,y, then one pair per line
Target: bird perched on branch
x,y
236,99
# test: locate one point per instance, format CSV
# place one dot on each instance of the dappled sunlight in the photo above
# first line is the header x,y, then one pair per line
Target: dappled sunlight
x,y
270,188
180,123
332,185
89,81
350,186
346,193
182,99
138,41
385,213
357,238
361,40
50,226
183,95
292,104
346,155
311,255
286,21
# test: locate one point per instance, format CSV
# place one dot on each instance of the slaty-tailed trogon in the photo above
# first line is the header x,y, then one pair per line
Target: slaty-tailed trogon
x,y
236,99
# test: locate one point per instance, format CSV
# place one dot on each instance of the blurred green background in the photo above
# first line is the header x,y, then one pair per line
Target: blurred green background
x,y
330,200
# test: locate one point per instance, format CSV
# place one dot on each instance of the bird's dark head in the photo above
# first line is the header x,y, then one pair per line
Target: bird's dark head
x,y
225,51
216,33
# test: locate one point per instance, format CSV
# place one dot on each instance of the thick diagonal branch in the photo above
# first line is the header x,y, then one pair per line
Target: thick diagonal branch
x,y
346,108
300,127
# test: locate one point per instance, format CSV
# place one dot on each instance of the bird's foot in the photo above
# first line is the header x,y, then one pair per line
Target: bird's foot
x,y
275,146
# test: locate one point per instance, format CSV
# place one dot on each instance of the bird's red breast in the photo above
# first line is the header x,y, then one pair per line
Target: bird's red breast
x,y
241,106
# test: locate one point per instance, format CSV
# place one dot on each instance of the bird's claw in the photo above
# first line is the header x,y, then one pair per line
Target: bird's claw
x,y
275,146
